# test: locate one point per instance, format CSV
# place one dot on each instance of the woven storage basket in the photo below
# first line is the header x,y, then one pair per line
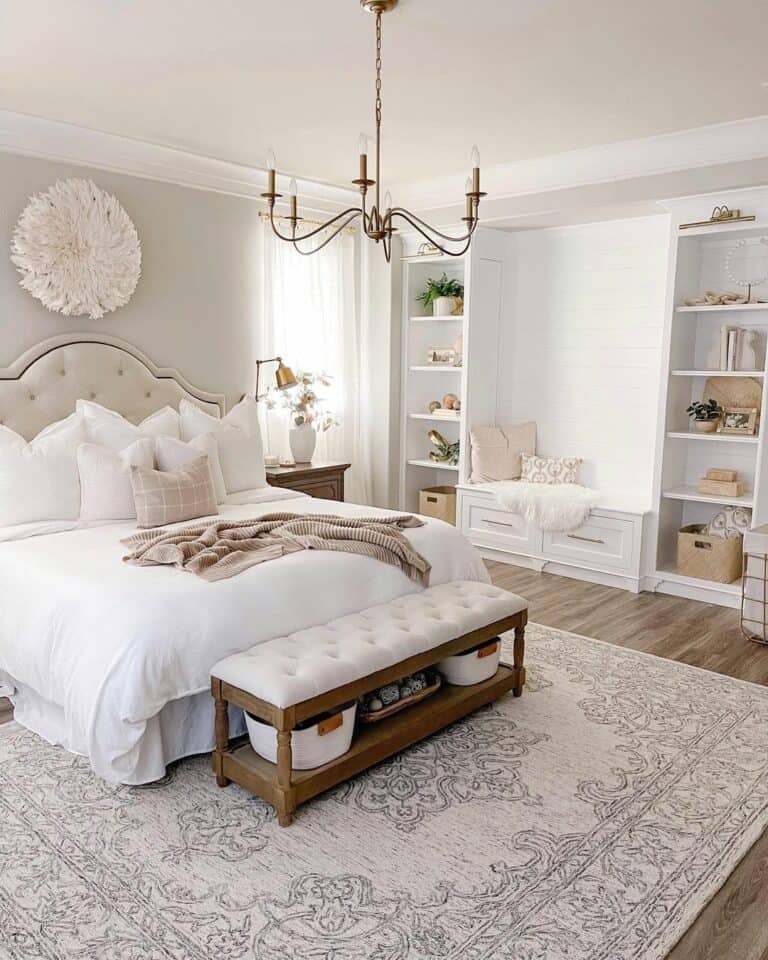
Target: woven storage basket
x,y
473,666
708,558
312,746
438,502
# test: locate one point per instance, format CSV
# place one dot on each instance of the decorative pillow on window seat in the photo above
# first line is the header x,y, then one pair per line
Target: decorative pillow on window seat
x,y
496,451
550,469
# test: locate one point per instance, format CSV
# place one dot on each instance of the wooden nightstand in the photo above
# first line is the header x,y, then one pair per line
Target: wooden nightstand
x,y
324,480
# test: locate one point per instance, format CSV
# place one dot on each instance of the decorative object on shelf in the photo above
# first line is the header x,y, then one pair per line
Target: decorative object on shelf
x,y
712,298
705,415
284,376
442,356
735,348
397,696
307,412
77,250
752,281
458,346
730,523
379,223
554,507
451,402
549,469
739,420
434,405
734,391
705,557
723,483
445,296
720,215
445,452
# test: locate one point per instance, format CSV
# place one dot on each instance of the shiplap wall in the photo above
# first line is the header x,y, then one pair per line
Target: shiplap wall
x,y
581,350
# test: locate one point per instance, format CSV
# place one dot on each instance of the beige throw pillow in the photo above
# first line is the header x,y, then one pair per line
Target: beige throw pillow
x,y
550,469
181,494
495,451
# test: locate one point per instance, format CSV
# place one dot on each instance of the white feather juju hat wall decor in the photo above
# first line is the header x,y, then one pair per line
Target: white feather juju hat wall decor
x,y
77,250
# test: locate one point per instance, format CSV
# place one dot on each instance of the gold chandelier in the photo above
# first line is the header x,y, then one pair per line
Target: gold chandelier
x,y
378,222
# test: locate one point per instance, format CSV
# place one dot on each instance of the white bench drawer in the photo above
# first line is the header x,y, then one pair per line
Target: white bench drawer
x,y
491,526
602,542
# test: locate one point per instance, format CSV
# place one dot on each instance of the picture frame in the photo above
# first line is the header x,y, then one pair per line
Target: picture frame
x,y
442,356
739,420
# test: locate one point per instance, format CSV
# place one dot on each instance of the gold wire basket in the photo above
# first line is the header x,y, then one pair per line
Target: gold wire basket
x,y
754,597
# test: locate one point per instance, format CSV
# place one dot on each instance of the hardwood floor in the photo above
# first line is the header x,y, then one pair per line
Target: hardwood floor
x,y
732,926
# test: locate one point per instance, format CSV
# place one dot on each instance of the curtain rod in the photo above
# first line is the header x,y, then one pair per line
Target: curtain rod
x,y
313,223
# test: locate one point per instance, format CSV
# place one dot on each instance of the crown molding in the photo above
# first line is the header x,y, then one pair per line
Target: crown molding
x,y
69,143
737,140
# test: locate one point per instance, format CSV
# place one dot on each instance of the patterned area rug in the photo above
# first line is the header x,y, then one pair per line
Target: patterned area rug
x,y
592,818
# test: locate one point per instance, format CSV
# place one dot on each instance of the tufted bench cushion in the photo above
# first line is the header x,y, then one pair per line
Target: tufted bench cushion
x,y
302,665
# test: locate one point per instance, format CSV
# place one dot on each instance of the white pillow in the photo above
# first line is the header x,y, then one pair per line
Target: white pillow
x,y
110,429
105,479
39,479
170,454
239,440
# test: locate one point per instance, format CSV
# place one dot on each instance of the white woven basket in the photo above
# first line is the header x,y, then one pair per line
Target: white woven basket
x,y
464,669
311,747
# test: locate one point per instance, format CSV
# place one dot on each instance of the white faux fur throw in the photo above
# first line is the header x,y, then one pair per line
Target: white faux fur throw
x,y
548,506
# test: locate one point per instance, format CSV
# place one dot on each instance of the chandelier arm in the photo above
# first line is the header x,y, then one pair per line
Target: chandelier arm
x,y
352,212
411,217
467,240
387,244
336,232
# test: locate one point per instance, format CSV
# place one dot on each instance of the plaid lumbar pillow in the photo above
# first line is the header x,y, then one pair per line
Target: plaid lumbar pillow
x,y
181,494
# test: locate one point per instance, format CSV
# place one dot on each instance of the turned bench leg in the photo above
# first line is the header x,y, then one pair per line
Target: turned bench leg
x,y
221,728
519,657
285,799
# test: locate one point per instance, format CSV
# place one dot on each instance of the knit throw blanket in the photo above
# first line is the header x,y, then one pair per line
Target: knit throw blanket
x,y
215,550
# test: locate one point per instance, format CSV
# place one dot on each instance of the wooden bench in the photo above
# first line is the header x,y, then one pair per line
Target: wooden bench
x,y
291,679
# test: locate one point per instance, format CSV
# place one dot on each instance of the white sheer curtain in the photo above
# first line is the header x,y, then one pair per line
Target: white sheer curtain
x,y
311,317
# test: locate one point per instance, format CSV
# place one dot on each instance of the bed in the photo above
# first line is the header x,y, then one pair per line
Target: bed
x,y
112,661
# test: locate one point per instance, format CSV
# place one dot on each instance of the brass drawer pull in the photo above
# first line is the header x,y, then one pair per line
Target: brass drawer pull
x,y
575,536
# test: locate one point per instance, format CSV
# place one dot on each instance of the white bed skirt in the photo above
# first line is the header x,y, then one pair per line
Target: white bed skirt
x,y
183,728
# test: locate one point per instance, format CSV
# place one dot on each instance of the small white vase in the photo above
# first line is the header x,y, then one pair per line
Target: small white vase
x,y
302,440
444,306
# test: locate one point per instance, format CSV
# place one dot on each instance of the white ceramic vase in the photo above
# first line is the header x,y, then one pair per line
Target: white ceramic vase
x,y
444,306
302,440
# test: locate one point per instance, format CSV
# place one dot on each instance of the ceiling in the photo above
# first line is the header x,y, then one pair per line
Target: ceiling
x,y
523,79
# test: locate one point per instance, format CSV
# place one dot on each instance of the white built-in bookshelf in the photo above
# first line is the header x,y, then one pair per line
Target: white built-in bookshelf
x,y
474,382
698,264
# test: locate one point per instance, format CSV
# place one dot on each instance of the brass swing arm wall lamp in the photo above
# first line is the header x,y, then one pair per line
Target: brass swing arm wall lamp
x,y
284,376
378,222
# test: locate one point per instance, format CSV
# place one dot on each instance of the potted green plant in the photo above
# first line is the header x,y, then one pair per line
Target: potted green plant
x,y
445,296
705,415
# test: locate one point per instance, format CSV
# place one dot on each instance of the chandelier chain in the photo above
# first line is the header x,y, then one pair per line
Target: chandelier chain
x,y
378,70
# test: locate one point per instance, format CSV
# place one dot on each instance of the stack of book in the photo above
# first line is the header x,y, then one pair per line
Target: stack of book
x,y
737,349
721,483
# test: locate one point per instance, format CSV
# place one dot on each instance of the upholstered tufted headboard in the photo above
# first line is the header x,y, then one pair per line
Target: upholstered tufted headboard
x,y
44,383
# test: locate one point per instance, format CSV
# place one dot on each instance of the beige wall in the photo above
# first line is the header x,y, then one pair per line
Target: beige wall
x,y
195,305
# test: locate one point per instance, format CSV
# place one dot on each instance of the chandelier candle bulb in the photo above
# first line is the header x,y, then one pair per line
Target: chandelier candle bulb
x,y
388,201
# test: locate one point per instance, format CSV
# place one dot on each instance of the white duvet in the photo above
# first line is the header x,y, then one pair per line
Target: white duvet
x,y
113,661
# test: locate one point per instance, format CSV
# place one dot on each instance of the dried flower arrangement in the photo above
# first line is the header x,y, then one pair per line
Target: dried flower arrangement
x,y
303,402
